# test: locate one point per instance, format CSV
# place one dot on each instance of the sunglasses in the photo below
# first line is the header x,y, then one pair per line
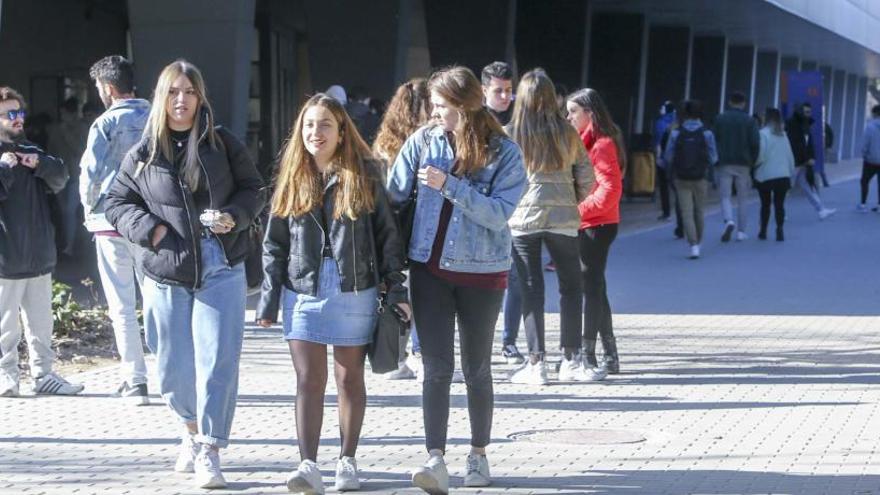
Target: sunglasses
x,y
14,114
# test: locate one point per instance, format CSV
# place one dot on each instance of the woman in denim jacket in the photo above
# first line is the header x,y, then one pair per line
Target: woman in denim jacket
x,y
469,177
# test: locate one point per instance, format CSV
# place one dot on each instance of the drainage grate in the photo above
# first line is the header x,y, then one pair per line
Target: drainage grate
x,y
582,436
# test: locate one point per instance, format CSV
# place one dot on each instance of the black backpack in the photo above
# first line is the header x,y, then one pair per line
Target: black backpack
x,y
691,158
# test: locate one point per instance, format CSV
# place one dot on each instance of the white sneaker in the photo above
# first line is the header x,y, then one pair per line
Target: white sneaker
x,y
403,372
347,474
862,208
530,374
576,370
8,386
826,212
189,449
477,471
695,252
433,477
53,384
414,362
306,479
207,468
741,236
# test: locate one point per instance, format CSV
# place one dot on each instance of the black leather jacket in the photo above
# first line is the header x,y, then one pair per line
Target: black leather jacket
x,y
293,250
158,195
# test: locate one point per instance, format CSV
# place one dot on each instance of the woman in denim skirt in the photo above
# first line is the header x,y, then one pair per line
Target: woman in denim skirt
x,y
331,246
469,178
194,285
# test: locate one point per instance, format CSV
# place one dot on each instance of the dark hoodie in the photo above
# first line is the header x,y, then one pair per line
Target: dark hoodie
x,y
798,130
27,235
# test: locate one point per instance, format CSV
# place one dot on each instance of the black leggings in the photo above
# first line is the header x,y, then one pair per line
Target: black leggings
x,y
595,243
436,303
773,190
868,173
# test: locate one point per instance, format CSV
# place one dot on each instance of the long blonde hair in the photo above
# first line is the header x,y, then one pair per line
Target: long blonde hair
x,y
298,187
548,141
157,123
409,109
476,126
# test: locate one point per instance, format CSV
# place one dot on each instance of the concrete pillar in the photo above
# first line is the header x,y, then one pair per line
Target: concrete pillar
x,y
740,66
765,81
851,105
859,126
552,49
667,68
615,55
215,35
707,73
838,82
483,32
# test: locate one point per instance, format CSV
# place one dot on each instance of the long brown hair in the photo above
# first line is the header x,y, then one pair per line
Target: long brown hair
x,y
548,142
603,124
157,122
298,187
476,126
409,109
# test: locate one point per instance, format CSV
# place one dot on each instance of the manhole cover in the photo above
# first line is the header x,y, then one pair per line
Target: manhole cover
x,y
582,436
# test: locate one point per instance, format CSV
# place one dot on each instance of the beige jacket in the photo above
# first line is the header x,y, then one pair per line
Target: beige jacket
x,y
551,198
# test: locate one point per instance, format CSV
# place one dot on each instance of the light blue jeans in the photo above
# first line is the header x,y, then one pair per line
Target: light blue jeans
x,y
196,336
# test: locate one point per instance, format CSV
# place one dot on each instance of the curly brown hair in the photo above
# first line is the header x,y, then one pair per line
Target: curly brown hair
x,y
409,109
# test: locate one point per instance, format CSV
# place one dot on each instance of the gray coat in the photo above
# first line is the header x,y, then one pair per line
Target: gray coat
x,y
551,198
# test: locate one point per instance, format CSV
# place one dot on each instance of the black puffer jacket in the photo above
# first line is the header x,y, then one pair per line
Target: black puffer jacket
x,y
158,195
27,236
798,130
293,248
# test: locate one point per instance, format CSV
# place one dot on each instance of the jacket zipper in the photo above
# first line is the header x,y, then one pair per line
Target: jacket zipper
x,y
196,252
211,201
355,252
323,239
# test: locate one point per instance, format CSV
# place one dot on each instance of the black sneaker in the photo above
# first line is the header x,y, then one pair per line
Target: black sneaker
x,y
511,354
728,230
136,395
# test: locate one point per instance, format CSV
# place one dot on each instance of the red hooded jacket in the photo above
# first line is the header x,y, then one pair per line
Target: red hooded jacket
x,y
602,206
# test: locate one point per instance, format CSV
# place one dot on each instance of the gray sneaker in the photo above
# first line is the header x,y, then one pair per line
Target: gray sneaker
x,y
135,395
477,471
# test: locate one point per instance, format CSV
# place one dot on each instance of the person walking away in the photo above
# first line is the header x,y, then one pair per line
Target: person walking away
x,y
470,179
27,252
870,159
600,216
661,126
559,177
332,241
737,141
773,172
801,139
110,137
187,194
690,152
409,109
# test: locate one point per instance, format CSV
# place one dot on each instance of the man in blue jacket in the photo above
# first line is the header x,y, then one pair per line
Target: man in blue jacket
x,y
738,141
28,176
111,136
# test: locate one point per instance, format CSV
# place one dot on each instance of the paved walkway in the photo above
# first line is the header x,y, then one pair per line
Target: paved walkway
x,y
752,370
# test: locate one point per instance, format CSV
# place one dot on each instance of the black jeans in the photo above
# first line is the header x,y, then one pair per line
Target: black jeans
x,y
564,253
868,173
595,243
436,303
773,191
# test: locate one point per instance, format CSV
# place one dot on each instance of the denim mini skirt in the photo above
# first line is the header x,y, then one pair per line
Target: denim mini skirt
x,y
331,317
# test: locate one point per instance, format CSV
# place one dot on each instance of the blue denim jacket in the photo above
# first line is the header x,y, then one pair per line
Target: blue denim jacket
x,y
871,142
112,134
478,238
